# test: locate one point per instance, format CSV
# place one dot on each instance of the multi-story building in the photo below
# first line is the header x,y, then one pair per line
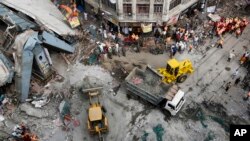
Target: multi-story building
x,y
134,12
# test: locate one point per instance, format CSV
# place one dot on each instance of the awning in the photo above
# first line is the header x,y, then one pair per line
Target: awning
x,y
112,20
173,20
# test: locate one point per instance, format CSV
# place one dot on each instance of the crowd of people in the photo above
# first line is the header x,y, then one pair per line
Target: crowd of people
x,y
176,39
232,25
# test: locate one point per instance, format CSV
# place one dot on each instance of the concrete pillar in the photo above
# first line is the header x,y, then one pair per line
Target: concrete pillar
x,y
165,12
151,9
134,9
100,4
119,8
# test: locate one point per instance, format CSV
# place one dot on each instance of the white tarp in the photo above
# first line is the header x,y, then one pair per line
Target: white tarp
x,y
44,12
211,9
214,17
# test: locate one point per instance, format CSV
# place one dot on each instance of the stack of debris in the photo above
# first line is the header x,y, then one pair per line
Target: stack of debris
x,y
27,40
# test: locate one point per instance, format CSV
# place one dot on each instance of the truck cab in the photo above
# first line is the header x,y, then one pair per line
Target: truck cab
x,y
176,70
174,105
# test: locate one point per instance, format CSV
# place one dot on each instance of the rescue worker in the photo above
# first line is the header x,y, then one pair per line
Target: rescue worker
x,y
173,50
117,49
237,81
185,37
243,25
110,52
235,73
75,11
123,51
220,43
190,48
231,55
238,32
230,26
247,96
244,57
195,41
228,86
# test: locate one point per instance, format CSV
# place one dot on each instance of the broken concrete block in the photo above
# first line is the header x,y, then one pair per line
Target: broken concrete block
x,y
1,118
9,124
29,110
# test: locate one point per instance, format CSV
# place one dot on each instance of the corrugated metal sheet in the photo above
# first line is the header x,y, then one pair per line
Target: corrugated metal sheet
x,y
10,17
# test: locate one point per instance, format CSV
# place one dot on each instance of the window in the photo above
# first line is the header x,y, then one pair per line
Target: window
x,y
109,4
171,106
143,0
158,8
159,1
127,9
142,8
180,102
169,69
176,71
174,3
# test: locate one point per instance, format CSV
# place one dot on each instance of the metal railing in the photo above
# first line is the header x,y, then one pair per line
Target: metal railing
x,y
142,16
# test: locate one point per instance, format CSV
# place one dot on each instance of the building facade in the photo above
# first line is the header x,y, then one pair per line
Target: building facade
x,y
134,12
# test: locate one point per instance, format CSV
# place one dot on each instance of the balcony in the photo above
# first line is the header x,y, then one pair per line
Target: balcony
x,y
157,16
127,1
142,16
142,1
127,16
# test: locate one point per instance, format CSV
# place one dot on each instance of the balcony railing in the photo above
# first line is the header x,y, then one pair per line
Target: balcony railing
x,y
157,16
127,0
143,0
142,16
127,16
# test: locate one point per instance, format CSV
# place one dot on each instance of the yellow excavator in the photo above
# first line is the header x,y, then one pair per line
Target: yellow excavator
x,y
97,122
176,71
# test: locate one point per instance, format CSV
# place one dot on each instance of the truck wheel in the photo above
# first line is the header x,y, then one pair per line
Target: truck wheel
x,y
181,78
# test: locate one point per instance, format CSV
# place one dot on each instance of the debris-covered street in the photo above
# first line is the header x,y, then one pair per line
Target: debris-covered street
x,y
69,72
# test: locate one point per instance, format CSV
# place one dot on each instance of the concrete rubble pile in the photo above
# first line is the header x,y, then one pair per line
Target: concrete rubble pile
x,y
25,56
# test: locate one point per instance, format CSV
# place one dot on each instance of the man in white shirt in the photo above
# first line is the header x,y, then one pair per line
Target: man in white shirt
x,y
231,55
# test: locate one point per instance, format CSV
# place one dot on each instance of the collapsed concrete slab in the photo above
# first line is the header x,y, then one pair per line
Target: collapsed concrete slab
x,y
29,110
28,47
44,13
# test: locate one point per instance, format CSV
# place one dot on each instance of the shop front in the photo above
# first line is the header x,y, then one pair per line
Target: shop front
x,y
136,27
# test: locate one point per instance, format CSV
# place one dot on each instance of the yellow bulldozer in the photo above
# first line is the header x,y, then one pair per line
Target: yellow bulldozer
x,y
97,122
176,71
